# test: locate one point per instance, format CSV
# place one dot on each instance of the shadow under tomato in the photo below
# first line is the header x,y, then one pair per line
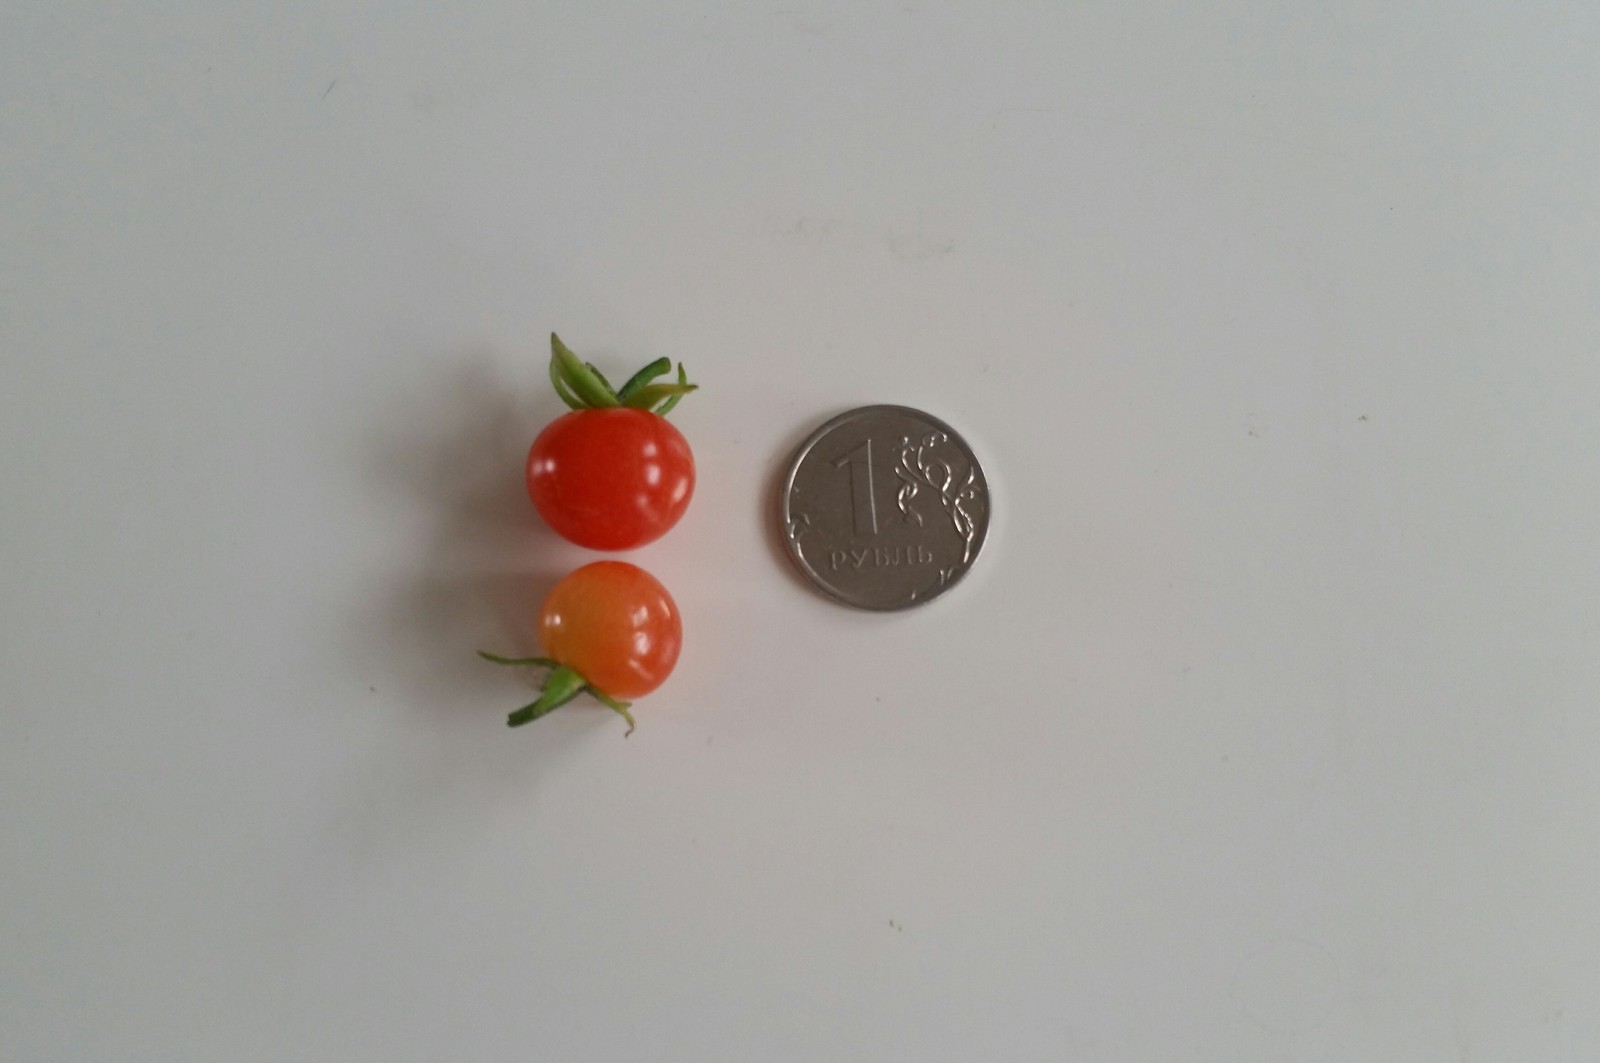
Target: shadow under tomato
x,y
467,568
485,561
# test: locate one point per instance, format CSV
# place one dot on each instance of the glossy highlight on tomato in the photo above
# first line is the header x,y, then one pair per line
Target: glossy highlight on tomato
x,y
612,474
609,629
610,479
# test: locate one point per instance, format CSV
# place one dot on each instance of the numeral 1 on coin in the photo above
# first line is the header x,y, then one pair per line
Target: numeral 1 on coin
x,y
861,505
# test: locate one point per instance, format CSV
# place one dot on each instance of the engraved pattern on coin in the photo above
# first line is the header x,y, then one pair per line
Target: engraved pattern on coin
x,y
884,507
937,473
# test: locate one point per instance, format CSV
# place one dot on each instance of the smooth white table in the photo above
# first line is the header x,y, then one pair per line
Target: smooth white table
x,y
1266,728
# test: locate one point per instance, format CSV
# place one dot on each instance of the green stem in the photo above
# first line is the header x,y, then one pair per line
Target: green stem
x,y
562,390
643,377
542,662
560,687
601,377
586,386
583,387
653,394
666,407
619,707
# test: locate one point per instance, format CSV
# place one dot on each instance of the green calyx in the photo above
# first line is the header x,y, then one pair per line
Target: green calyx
x,y
583,387
561,685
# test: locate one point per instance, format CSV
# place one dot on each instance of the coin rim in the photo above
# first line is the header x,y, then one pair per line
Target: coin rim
x,y
804,449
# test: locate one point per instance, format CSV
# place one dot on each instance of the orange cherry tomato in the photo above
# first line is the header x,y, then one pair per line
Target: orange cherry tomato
x,y
610,629
614,624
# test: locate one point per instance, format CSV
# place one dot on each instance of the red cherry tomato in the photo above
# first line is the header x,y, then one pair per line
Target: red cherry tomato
x,y
610,629
610,479
613,474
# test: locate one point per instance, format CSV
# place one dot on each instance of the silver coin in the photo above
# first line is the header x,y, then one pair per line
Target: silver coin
x,y
885,508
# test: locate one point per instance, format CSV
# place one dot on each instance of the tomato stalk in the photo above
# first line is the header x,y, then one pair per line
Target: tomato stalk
x,y
561,685
583,387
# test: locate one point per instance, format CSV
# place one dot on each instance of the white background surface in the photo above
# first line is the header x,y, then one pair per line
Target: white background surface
x,y
1265,730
